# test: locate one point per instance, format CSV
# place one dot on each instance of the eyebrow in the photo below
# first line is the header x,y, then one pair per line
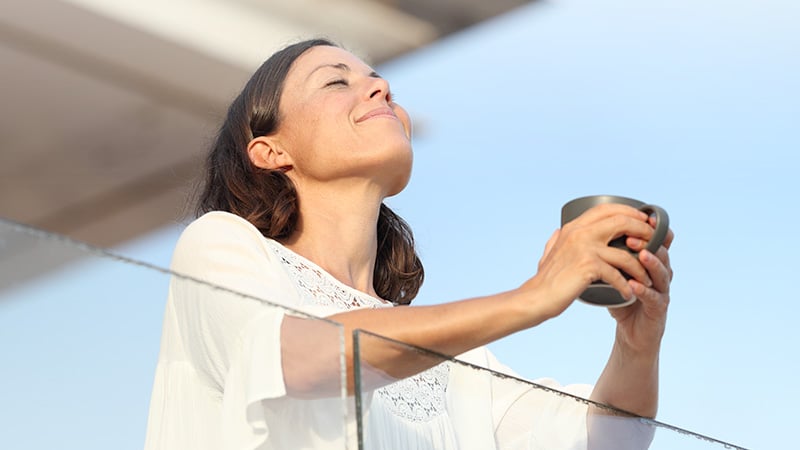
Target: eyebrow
x,y
339,66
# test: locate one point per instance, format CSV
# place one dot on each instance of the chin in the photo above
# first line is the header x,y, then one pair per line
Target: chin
x,y
398,188
401,174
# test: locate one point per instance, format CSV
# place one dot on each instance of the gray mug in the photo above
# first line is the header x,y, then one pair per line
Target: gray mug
x,y
599,292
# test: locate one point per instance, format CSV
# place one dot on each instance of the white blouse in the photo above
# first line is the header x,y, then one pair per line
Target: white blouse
x,y
219,380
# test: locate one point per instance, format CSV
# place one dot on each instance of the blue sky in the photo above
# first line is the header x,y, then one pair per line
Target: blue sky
x,y
692,105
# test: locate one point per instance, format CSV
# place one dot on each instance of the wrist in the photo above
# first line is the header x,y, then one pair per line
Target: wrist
x,y
533,303
639,339
642,356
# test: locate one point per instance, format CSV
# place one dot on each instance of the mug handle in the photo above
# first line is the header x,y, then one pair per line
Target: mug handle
x,y
661,228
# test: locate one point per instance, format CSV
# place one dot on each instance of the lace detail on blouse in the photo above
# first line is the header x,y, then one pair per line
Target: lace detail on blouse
x,y
419,398
319,287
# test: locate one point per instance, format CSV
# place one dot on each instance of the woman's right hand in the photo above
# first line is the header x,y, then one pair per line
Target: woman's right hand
x,y
578,254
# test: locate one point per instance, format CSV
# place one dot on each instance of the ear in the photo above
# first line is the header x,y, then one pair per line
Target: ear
x,y
265,153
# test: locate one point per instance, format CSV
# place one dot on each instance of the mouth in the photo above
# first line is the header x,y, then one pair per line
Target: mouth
x,y
378,112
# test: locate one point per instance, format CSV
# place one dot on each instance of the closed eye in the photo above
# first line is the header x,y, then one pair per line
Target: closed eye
x,y
335,82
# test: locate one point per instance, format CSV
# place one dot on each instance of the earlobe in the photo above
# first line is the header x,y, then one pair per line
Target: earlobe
x,y
267,154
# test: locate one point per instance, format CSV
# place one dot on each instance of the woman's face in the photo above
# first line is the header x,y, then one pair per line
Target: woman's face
x,y
338,122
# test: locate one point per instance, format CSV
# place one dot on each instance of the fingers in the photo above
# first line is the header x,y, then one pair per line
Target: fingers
x,y
653,301
668,239
663,255
656,265
670,234
615,220
579,253
616,280
656,298
612,209
658,268
636,244
628,263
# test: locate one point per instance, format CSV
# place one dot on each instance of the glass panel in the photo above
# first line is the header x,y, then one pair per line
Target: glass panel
x,y
411,398
87,336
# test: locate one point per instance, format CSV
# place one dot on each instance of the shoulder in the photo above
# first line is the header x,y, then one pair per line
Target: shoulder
x,y
217,225
220,238
226,250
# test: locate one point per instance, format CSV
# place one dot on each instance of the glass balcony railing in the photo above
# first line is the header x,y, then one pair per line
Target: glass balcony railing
x,y
465,404
80,337
81,333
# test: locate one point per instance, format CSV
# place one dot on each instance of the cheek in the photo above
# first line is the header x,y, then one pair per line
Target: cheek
x,y
402,114
322,120
315,138
297,124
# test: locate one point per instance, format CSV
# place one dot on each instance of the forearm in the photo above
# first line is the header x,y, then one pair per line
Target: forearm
x,y
629,381
450,328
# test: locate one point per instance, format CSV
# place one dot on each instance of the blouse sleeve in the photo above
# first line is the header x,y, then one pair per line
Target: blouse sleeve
x,y
230,295
527,417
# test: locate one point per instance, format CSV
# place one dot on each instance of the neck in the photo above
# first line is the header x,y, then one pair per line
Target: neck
x,y
338,231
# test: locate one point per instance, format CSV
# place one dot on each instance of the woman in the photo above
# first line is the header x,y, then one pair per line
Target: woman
x,y
292,214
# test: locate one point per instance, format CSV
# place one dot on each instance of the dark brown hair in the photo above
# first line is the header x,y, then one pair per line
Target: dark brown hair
x,y
268,199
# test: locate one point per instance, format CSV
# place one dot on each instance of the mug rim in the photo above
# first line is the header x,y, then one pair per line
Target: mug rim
x,y
588,201
605,198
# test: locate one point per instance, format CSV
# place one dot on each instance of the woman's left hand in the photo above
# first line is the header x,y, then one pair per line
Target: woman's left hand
x,y
640,326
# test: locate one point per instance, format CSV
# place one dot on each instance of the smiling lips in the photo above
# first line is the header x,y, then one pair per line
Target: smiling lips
x,y
378,112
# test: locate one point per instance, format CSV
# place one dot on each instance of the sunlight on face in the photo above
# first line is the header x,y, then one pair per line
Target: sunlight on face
x,y
338,121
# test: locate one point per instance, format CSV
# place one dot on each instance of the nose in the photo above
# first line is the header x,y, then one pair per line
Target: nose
x,y
380,88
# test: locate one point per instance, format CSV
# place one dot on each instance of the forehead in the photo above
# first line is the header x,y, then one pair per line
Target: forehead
x,y
323,56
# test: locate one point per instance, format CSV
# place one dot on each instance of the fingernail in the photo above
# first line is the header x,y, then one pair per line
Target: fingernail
x,y
632,284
